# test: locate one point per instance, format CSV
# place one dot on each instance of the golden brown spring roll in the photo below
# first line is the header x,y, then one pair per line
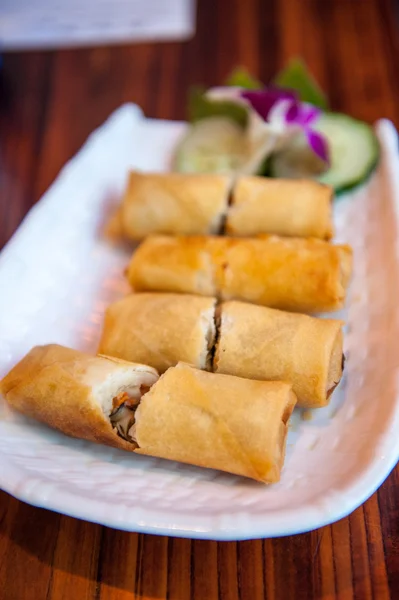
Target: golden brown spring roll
x,y
77,393
160,329
263,343
298,208
303,275
171,203
216,421
254,342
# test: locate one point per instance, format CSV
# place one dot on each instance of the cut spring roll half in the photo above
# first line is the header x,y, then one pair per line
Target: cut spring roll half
x,y
300,208
252,341
160,329
264,343
88,397
301,275
183,264
214,421
171,203
176,203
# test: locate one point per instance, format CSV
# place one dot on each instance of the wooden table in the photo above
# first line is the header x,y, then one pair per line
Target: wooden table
x,y
50,102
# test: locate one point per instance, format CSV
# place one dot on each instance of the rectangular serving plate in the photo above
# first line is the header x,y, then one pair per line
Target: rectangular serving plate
x,y
58,274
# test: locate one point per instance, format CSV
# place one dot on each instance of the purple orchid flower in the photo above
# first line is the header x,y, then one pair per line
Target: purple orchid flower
x,y
294,113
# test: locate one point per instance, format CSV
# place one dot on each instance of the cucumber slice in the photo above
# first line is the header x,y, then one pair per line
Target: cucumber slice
x,y
297,161
218,145
354,154
213,145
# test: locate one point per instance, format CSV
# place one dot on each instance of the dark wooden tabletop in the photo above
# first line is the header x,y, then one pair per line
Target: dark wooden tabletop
x,y
50,102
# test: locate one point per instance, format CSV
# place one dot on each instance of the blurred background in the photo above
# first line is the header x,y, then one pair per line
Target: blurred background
x,y
67,64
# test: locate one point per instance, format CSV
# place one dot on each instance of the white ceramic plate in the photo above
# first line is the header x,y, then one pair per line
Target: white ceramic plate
x,y
56,277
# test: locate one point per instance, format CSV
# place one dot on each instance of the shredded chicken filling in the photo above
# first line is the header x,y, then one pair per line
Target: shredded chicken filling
x,y
123,412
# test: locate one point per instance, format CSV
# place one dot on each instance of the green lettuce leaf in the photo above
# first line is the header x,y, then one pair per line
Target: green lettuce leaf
x,y
240,77
296,76
201,107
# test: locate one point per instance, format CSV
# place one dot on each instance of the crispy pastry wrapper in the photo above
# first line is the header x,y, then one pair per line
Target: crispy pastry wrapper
x,y
254,342
296,274
73,392
298,208
265,343
160,329
177,203
171,203
216,421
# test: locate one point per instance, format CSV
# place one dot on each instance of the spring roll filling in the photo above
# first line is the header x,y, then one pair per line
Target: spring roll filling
x,y
219,223
123,411
214,341
219,227
122,419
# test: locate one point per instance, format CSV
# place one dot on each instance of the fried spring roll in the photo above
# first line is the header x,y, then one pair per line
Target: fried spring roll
x,y
300,208
214,421
254,342
301,275
160,329
176,203
264,343
171,203
77,393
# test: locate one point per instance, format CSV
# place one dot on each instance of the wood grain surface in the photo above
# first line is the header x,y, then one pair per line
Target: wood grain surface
x,y
50,102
